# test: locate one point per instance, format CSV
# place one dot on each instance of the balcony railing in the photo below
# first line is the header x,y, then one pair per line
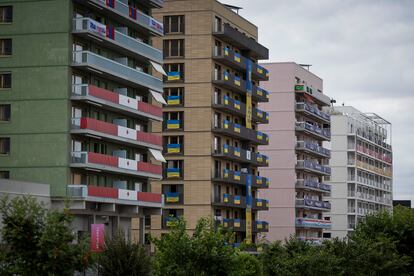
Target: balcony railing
x,y
313,166
241,155
173,173
315,112
128,14
174,101
237,177
119,196
260,204
260,226
238,108
383,157
173,198
387,172
239,62
321,133
174,76
237,84
313,148
116,132
314,93
115,101
116,70
231,35
313,204
241,132
169,221
173,149
313,185
238,225
173,125
313,223
229,200
115,164
116,39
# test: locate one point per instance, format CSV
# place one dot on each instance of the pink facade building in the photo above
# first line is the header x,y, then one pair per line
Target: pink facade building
x,y
298,160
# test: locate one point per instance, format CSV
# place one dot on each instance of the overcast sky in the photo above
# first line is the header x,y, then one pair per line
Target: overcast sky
x,y
362,49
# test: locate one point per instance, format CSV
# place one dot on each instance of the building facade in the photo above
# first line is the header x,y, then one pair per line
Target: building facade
x,y
77,99
210,128
298,163
361,164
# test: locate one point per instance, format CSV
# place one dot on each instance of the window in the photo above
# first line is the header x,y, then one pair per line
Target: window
x,y
6,14
5,80
217,24
173,48
175,72
4,145
5,47
4,174
5,110
174,24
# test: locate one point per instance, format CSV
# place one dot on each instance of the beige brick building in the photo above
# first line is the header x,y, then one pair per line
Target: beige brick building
x,y
210,57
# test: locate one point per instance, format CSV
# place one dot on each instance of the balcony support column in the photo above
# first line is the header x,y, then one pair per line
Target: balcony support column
x,y
142,230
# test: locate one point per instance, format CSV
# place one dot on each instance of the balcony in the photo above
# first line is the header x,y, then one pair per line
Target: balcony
x,y
115,133
313,204
232,36
313,112
386,172
312,185
313,167
373,154
236,225
116,102
173,173
173,198
239,178
116,40
313,223
260,226
314,131
238,85
108,195
115,71
173,125
227,200
241,132
321,98
242,156
238,108
128,15
114,164
173,149
235,60
168,221
313,149
260,204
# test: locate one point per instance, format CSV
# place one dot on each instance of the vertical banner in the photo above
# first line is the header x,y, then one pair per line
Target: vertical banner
x,y
249,88
249,209
97,237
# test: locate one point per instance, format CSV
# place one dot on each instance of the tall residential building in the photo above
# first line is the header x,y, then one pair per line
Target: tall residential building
x,y
76,101
210,129
361,167
298,161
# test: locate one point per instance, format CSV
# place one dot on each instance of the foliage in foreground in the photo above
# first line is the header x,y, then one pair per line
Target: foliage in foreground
x,y
122,257
37,241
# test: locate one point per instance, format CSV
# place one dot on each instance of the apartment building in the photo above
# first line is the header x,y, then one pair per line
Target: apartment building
x,y
78,93
361,165
210,128
298,158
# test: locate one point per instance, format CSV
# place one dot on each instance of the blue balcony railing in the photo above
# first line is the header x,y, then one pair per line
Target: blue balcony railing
x,y
314,129
313,148
314,166
313,110
312,184
311,203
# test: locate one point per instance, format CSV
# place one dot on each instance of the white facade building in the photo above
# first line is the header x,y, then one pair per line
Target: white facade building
x,y
361,163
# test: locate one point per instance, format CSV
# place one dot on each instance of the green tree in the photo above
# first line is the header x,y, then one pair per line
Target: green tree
x,y
208,251
245,264
121,257
37,241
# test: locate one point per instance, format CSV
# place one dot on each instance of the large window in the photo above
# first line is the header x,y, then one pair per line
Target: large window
x,y
5,80
4,145
175,72
6,14
4,174
5,47
173,48
5,110
174,24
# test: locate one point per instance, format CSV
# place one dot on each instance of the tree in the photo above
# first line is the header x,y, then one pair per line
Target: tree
x,y
245,264
121,257
208,251
37,241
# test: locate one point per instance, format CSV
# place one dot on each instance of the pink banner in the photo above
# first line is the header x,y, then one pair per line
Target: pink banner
x,y
97,237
